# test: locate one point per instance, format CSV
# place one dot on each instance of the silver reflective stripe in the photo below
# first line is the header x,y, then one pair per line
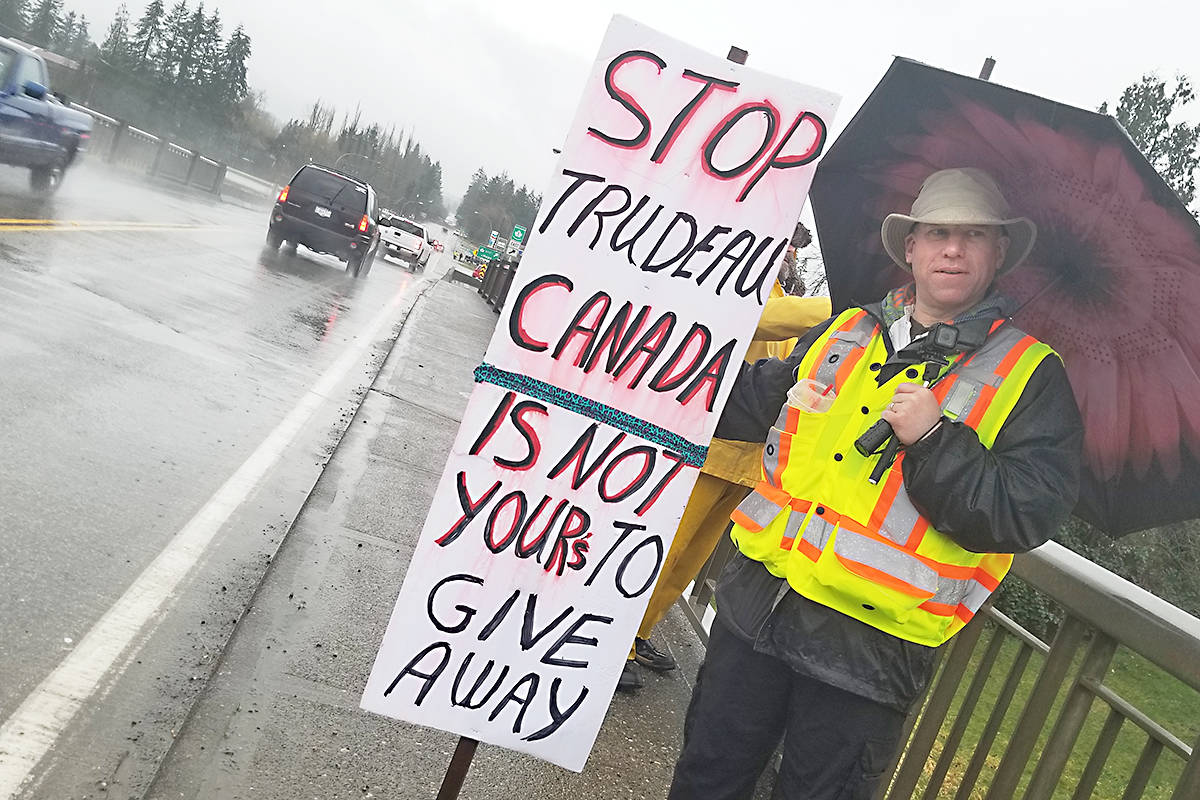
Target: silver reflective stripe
x,y
860,334
880,556
781,420
760,509
794,521
842,343
977,594
838,350
901,518
817,531
770,457
951,591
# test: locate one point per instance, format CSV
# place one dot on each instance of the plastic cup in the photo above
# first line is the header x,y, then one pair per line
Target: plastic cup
x,y
810,395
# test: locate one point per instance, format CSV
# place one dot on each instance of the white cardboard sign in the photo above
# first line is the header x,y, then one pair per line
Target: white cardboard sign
x,y
654,250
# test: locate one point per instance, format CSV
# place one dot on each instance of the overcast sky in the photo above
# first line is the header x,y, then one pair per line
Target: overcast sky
x,y
494,83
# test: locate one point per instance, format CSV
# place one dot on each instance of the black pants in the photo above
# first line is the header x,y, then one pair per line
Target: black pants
x,y
835,744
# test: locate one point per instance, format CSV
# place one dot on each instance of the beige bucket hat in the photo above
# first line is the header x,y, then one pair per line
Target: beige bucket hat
x,y
964,196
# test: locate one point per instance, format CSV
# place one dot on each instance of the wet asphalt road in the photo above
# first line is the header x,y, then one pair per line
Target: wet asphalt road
x,y
148,346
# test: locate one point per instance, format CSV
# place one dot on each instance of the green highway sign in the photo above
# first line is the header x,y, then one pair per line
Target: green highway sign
x,y
487,253
518,234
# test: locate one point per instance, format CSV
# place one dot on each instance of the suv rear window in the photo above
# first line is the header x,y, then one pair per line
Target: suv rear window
x,y
409,227
331,190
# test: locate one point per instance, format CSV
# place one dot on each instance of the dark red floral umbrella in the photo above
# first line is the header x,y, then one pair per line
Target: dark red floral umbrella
x,y
1113,283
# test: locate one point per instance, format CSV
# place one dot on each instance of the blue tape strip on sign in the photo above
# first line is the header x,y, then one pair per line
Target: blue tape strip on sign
x,y
693,454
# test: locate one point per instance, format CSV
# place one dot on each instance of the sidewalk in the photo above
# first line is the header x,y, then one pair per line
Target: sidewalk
x,y
280,718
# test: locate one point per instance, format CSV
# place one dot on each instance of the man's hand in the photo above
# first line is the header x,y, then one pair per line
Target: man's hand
x,y
912,413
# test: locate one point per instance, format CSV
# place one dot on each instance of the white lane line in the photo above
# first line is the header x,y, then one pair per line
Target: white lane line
x,y
33,729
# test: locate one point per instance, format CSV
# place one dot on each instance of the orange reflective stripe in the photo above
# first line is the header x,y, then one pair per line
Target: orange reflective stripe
x,y
881,578
1014,355
1002,370
741,518
942,388
777,496
917,534
808,548
964,613
891,488
848,325
940,609
986,579
785,448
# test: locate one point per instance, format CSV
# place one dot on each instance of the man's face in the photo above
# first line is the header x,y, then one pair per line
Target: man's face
x,y
953,266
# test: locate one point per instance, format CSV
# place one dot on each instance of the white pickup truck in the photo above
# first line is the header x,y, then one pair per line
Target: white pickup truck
x,y
405,240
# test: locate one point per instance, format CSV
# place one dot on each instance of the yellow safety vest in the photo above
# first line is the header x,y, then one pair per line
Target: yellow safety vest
x,y
864,549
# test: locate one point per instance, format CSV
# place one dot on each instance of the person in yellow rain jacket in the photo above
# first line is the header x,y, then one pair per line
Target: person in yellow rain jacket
x,y
853,568
730,471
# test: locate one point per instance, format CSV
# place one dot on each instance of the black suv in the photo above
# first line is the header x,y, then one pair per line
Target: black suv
x,y
329,212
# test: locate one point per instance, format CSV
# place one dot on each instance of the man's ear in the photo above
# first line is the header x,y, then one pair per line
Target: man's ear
x,y
909,241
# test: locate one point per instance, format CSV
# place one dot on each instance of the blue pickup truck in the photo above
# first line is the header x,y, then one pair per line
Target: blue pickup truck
x,y
36,129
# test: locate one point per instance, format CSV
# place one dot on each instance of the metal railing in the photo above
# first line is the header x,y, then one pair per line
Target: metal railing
x,y
956,747
496,282
122,145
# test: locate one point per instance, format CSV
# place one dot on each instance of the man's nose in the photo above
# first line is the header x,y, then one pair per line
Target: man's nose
x,y
954,244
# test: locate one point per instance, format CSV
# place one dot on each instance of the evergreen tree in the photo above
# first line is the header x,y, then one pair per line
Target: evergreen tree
x,y
66,32
1145,110
166,61
148,35
14,17
232,75
81,45
44,23
116,49
206,71
188,45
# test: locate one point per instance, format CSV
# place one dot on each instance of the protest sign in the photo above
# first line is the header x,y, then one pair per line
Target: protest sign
x,y
653,253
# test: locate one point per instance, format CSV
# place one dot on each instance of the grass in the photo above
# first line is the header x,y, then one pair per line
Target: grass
x,y
1160,696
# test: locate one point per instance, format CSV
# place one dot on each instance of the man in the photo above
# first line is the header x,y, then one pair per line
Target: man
x,y
830,614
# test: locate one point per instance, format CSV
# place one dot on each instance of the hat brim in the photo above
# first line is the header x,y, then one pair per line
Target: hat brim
x,y
1021,232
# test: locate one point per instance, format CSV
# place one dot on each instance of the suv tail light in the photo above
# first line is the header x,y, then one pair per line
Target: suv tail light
x,y
364,223
283,194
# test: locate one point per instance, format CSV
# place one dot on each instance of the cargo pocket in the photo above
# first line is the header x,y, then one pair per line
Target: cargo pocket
x,y
867,772
863,574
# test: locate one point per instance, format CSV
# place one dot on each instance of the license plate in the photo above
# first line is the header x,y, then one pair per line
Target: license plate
x,y
322,212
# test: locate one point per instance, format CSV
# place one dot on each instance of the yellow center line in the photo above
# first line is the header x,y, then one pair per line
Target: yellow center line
x,y
22,221
108,226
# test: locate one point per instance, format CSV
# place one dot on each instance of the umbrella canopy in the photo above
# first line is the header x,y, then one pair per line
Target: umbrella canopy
x,y
1111,284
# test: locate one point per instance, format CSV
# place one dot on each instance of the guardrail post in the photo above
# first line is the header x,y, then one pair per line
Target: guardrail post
x,y
122,129
159,154
192,163
220,179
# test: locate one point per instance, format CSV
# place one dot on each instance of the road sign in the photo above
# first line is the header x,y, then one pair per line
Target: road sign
x,y
487,253
500,244
492,238
518,234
